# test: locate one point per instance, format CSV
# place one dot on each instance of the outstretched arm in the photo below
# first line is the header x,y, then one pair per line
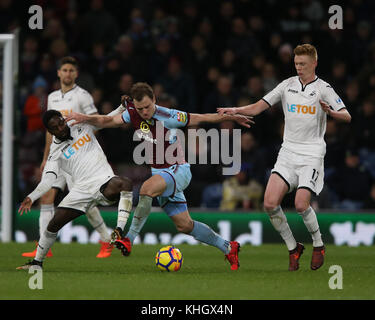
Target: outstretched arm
x,y
44,185
196,118
100,121
249,110
341,115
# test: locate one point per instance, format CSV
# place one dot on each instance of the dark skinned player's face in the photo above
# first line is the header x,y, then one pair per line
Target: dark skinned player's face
x,y
57,127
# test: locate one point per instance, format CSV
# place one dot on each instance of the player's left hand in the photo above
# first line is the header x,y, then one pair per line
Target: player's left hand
x,y
245,121
78,117
25,206
325,106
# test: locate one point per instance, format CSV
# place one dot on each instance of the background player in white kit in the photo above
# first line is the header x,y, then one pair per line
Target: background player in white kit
x,y
306,102
77,152
69,98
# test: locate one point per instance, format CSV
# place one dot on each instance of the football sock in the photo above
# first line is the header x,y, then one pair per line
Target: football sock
x,y
279,222
47,211
124,208
141,213
97,222
46,241
311,223
205,234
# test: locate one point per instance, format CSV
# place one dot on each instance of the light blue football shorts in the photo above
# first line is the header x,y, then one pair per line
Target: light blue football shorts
x,y
177,177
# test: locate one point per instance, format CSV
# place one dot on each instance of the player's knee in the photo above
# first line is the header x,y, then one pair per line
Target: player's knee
x,y
147,189
301,205
53,226
270,204
126,184
185,227
48,198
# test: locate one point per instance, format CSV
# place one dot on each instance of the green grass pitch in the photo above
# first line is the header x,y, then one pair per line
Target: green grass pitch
x,y
75,273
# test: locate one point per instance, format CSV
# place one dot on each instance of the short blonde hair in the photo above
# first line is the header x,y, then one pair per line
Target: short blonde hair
x,y
306,49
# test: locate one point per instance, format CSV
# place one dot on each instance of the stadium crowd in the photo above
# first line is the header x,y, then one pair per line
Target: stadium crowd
x,y
200,55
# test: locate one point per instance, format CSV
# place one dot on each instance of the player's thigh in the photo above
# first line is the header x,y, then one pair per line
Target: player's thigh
x,y
275,191
49,196
153,186
302,200
62,217
183,222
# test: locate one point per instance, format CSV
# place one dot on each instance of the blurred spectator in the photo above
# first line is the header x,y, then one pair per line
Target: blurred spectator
x,y
365,126
286,61
230,67
159,58
339,76
180,85
173,34
269,77
241,192
158,23
198,60
189,19
123,87
131,61
224,95
335,153
8,16
240,40
29,58
223,21
35,105
254,89
206,30
140,35
98,25
351,182
370,201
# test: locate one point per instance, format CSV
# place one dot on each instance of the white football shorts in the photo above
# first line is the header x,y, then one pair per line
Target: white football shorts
x,y
62,180
300,171
83,200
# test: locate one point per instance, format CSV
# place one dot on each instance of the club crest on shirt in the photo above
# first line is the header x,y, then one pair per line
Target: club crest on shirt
x,y
144,127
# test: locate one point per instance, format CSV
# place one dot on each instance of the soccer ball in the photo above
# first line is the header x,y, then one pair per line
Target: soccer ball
x,y
169,259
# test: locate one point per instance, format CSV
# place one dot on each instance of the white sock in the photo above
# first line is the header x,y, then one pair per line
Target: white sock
x,y
97,222
47,239
311,223
47,211
124,208
278,220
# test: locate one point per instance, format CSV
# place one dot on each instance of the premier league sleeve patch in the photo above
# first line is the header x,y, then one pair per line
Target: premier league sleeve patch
x,y
181,117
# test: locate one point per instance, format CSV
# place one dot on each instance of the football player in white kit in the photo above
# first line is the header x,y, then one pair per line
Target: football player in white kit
x,y
76,151
306,102
69,98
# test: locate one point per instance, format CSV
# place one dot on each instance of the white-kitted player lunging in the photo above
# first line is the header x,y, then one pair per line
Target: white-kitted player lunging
x,y
76,151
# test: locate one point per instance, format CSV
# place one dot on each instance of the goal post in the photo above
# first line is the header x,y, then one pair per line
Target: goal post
x,y
7,42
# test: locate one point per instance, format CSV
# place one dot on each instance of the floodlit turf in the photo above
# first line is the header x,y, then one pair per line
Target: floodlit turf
x,y
75,273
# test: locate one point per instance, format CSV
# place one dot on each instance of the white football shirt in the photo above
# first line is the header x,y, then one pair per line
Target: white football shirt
x,y
76,99
82,158
305,120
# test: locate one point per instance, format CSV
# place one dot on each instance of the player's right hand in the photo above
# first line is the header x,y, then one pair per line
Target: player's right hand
x,y
78,117
25,206
228,111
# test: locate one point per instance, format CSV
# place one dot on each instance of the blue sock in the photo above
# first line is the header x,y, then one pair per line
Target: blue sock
x,y
204,233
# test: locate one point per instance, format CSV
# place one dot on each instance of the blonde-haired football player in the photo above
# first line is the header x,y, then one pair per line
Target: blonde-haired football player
x,y
306,101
